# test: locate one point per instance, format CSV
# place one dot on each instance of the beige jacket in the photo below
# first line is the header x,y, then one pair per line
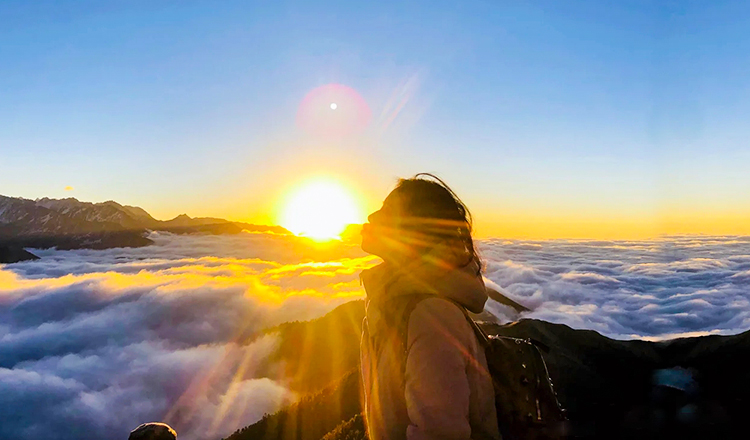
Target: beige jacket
x,y
447,392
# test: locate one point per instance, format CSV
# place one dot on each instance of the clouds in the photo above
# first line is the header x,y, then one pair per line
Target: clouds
x,y
93,343
676,286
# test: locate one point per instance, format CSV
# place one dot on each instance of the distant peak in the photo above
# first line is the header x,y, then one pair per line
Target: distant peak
x,y
67,199
109,203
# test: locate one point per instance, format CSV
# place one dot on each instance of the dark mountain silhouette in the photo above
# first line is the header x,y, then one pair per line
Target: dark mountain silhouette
x,y
352,429
606,385
182,220
11,254
313,416
318,353
72,224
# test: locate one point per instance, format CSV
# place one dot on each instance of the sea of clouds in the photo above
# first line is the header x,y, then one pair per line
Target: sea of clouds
x,y
93,343
653,290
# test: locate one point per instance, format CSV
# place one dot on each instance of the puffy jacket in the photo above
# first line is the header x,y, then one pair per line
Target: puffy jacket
x,y
444,391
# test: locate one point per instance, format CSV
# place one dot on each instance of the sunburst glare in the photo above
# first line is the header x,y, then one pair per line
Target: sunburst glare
x,y
320,210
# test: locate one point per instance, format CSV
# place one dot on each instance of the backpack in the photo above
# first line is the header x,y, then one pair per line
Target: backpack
x,y
525,400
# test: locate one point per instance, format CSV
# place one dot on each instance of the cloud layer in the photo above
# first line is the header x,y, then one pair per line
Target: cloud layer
x,y
677,286
93,343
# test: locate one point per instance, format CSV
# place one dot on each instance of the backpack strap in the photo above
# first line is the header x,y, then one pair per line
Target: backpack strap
x,y
401,314
397,312
482,336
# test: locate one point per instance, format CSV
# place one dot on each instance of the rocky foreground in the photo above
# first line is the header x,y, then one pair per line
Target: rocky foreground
x,y
609,387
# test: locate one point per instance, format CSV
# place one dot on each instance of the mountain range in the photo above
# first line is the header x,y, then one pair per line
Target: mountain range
x,y
72,224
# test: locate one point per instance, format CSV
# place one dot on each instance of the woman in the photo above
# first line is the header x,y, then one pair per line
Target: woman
x,y
425,378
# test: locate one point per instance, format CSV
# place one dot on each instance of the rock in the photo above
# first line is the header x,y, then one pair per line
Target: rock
x,y
153,431
14,254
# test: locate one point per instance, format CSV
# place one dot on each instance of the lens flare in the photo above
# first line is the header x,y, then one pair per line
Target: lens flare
x,y
351,116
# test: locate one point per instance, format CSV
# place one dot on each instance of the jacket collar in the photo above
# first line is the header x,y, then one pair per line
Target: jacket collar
x,y
426,275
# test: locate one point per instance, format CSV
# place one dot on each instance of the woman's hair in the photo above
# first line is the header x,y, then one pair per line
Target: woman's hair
x,y
438,214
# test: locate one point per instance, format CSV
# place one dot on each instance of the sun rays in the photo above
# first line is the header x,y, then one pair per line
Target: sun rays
x,y
320,209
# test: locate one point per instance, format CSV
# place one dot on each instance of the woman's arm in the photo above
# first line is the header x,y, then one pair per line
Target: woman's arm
x,y
436,385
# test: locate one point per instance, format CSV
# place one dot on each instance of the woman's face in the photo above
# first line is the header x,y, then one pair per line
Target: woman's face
x,y
396,235
383,234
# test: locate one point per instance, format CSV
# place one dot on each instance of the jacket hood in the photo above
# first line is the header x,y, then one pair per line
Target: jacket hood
x,y
427,275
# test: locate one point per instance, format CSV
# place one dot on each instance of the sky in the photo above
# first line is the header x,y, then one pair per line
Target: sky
x,y
578,120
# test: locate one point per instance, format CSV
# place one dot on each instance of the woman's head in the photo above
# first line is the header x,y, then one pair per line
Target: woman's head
x,y
421,216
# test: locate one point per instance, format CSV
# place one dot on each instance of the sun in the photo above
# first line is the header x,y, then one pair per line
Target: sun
x,y
320,210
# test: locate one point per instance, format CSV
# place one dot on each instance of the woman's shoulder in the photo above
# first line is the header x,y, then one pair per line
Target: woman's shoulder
x,y
438,316
439,304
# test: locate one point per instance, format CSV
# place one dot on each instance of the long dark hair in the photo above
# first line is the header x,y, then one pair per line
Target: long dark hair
x,y
438,214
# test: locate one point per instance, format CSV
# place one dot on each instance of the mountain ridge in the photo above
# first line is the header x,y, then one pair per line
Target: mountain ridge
x,y
72,224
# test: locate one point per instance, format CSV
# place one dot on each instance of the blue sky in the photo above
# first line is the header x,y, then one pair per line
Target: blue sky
x,y
628,113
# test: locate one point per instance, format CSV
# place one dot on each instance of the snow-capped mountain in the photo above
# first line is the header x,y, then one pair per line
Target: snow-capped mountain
x,y
102,212
67,216
20,216
72,224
